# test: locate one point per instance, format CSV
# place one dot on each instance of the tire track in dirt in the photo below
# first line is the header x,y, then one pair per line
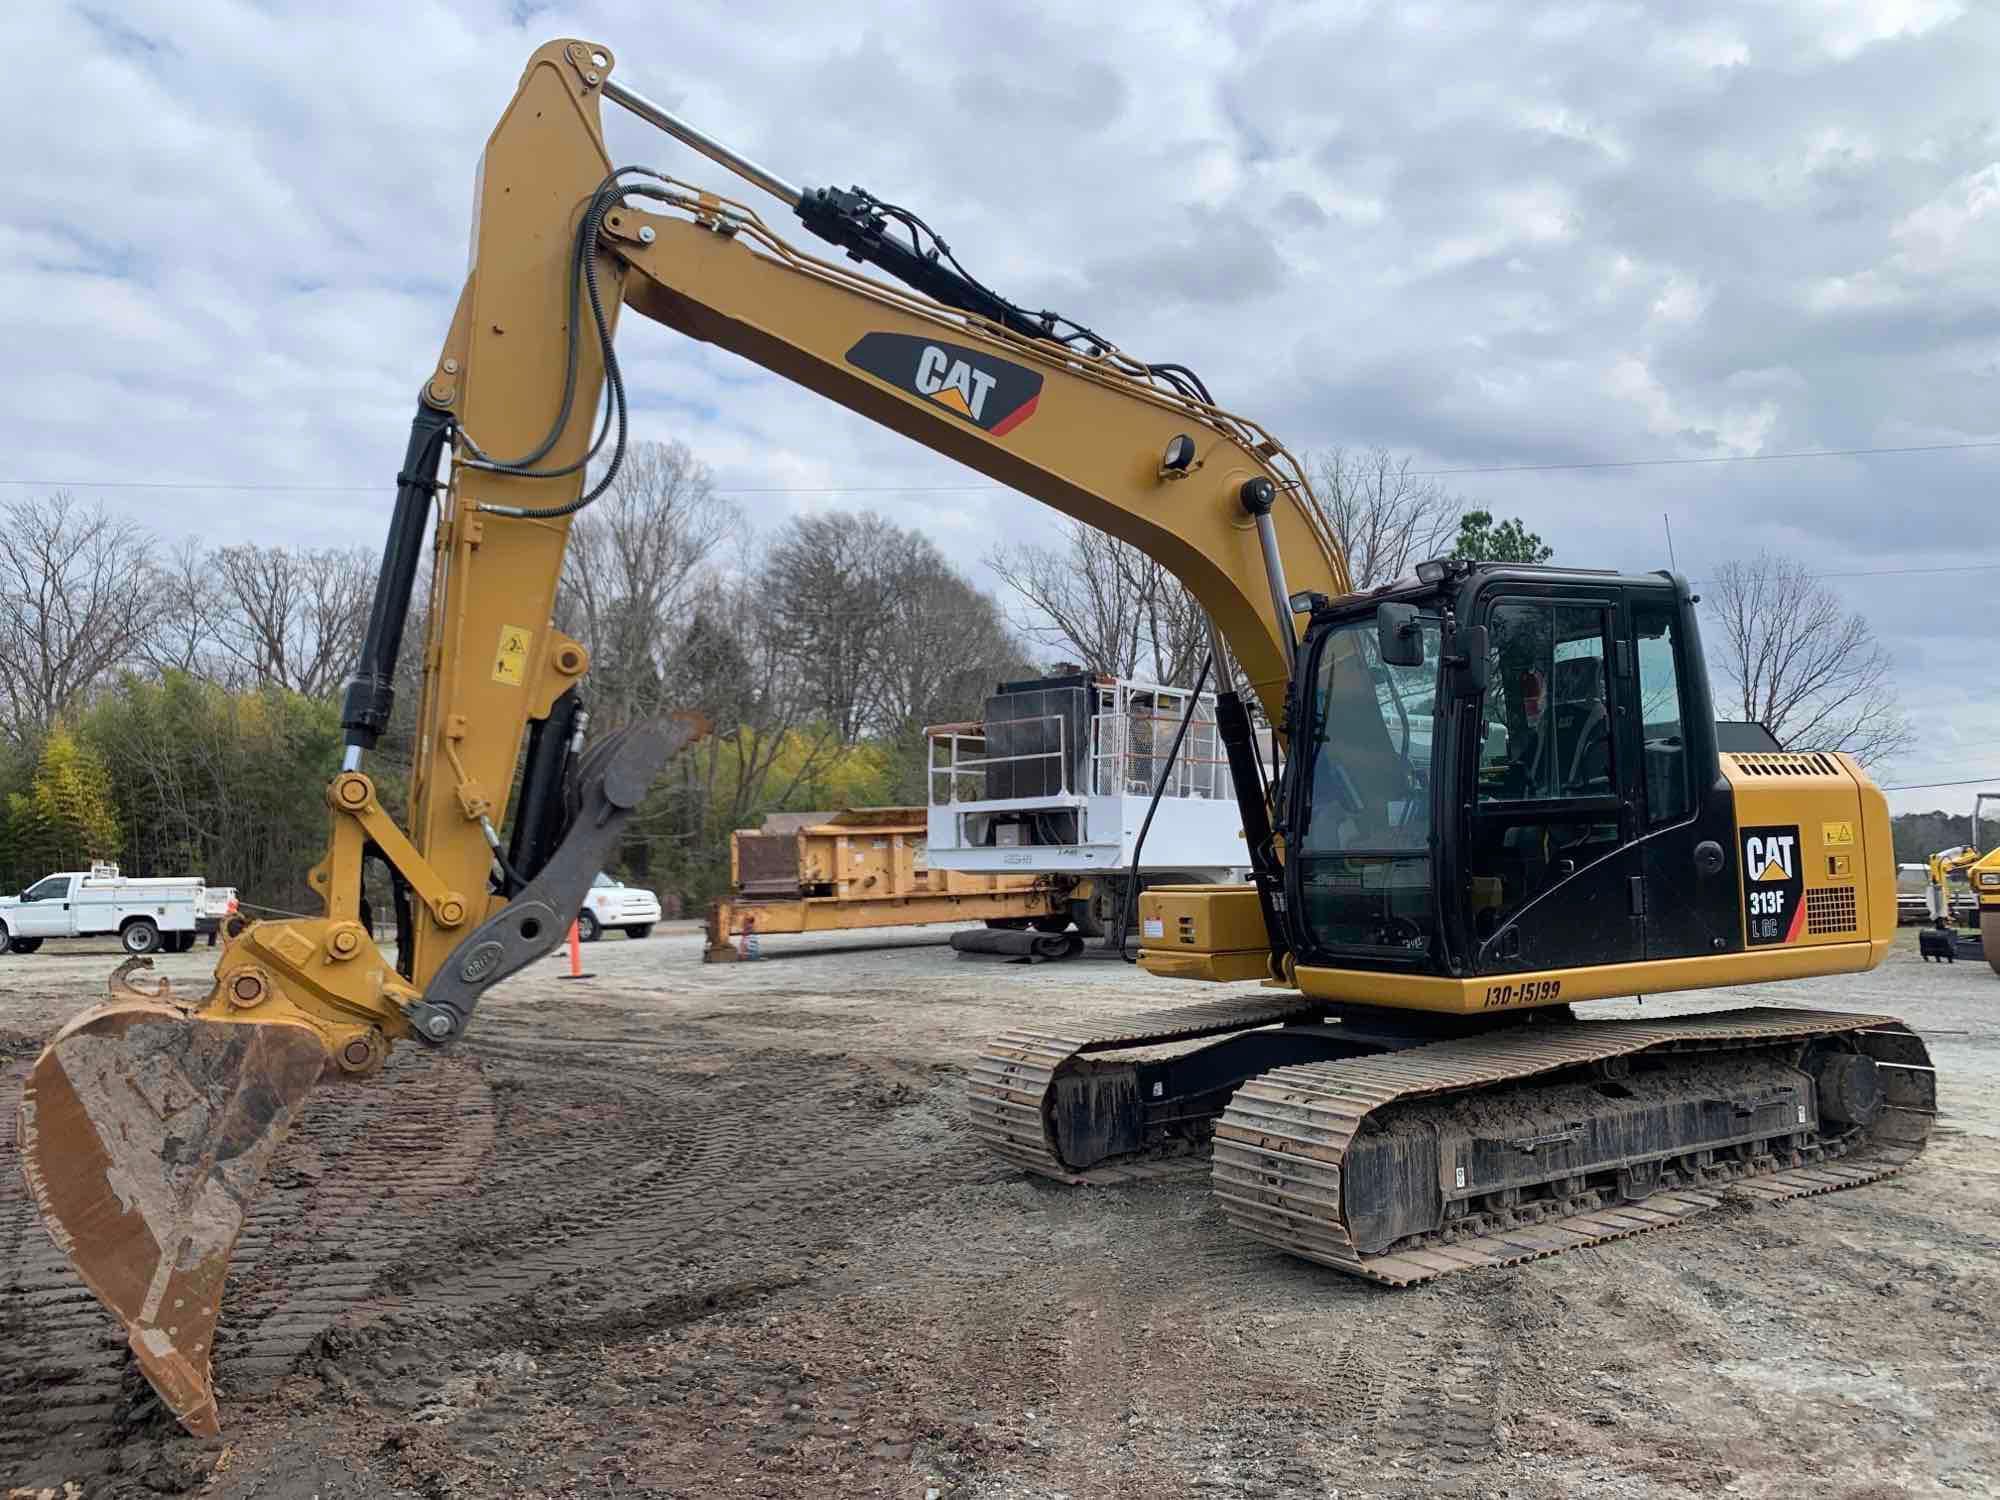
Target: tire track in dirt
x,y
71,1407
633,1193
65,1361
393,1241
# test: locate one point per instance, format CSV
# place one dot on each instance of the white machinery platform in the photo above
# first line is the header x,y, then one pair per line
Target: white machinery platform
x,y
1057,778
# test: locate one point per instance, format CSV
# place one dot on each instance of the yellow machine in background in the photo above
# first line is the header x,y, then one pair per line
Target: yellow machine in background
x,y
1498,792
859,869
1985,881
1942,940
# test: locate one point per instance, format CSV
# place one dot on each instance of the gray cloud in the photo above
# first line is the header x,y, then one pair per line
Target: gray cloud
x,y
1481,235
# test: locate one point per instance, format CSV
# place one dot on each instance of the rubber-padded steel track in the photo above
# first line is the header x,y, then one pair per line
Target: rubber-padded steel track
x,y
1014,1078
1281,1144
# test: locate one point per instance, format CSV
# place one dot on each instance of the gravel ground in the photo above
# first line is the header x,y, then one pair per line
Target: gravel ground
x,y
679,1230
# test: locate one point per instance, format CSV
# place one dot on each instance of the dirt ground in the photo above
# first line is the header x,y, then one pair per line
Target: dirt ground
x,y
701,1231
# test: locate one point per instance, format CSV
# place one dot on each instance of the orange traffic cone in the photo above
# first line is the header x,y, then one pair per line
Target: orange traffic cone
x,y
576,956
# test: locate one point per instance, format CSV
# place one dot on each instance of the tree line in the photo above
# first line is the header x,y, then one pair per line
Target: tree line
x,y
175,708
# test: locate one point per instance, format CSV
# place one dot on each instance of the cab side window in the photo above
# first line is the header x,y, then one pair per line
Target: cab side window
x,y
1547,794
1669,798
55,887
1545,726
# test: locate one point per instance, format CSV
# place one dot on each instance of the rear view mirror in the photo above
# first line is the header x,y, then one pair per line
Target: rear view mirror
x,y
1398,636
1471,661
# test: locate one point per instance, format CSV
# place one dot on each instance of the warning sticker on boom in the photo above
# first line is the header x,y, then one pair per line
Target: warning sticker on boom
x,y
511,661
1774,908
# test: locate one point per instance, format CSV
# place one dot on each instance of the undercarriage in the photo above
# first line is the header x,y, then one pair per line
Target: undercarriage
x,y
1386,1146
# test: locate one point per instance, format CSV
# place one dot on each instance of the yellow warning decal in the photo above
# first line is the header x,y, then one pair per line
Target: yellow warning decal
x,y
511,664
1837,835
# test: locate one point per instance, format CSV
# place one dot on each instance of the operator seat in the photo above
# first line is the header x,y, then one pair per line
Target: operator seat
x,y
1582,727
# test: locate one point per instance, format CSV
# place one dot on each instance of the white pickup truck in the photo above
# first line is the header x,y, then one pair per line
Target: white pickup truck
x,y
146,916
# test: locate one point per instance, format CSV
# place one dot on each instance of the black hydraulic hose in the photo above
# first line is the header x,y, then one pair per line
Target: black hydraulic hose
x,y
541,810
1246,774
1131,901
371,691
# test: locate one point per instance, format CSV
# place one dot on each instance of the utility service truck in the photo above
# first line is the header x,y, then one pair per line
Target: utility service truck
x,y
146,916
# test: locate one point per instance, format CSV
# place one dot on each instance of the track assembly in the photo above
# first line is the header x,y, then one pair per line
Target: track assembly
x,y
1486,1150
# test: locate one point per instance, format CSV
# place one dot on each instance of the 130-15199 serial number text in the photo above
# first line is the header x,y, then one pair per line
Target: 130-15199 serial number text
x,y
1527,992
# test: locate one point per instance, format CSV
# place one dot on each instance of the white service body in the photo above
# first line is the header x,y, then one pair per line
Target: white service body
x,y
100,902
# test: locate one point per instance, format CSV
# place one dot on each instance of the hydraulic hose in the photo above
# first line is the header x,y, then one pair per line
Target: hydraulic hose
x,y
1131,901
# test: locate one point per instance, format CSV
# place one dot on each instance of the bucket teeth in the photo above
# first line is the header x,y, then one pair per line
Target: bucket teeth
x,y
144,1137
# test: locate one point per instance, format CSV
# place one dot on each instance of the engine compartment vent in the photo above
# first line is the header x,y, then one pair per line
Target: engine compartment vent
x,y
1786,763
1831,909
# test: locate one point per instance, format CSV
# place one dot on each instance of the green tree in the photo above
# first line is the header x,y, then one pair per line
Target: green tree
x,y
1480,539
67,817
225,785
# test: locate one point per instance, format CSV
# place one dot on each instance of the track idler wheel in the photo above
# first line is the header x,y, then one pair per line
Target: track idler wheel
x,y
1849,1088
144,1134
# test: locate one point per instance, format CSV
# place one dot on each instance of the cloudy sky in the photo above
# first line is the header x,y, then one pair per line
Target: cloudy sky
x,y
1483,235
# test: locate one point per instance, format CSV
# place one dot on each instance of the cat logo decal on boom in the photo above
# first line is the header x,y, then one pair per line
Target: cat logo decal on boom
x,y
1774,910
992,394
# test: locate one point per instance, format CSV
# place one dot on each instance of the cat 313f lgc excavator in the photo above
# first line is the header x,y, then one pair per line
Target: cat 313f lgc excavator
x,y
1501,793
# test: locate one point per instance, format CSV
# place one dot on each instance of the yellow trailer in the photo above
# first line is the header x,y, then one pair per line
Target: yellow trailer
x,y
865,867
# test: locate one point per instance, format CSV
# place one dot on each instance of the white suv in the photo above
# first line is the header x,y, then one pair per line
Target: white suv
x,y
610,904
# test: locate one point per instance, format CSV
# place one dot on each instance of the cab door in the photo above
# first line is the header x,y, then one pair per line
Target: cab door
x,y
45,908
1550,851
1686,815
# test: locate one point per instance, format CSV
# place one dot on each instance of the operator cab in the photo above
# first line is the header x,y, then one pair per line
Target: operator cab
x,y
1502,768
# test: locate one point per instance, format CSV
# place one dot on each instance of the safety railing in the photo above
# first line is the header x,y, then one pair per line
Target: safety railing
x,y
962,770
1132,735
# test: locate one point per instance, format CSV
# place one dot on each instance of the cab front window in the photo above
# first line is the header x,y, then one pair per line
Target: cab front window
x,y
1364,851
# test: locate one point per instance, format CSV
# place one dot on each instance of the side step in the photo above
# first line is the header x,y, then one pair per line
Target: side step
x,y
1284,1146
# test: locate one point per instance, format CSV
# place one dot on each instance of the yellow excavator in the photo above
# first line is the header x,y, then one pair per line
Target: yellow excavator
x,y
1499,794
1941,939
1985,881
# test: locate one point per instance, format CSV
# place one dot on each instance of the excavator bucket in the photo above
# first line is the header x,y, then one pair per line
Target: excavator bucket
x,y
144,1134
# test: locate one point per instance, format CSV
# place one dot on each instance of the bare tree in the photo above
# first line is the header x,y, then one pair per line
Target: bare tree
x,y
1106,603
1118,611
634,561
735,668
1796,661
946,646
1386,519
830,580
184,638
293,617
76,602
